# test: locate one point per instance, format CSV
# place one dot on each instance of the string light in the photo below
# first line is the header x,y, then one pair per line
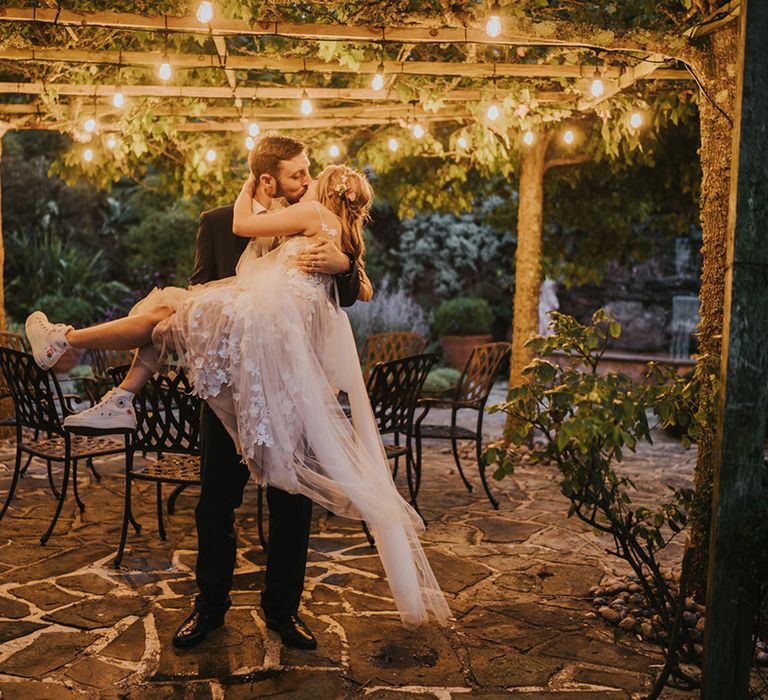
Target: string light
x,y
378,80
493,112
87,155
597,88
528,138
462,142
334,150
493,25
210,155
118,100
253,130
165,69
249,142
393,144
636,120
568,137
205,12
418,131
111,142
90,125
306,105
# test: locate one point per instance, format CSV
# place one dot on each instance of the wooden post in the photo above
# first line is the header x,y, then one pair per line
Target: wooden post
x,y
3,319
743,401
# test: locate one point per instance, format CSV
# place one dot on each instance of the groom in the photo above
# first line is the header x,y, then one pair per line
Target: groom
x,y
280,167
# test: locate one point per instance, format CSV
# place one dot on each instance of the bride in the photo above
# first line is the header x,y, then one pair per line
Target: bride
x,y
269,350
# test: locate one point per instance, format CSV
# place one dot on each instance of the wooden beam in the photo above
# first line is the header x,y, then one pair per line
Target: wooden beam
x,y
645,69
313,65
393,111
252,93
317,32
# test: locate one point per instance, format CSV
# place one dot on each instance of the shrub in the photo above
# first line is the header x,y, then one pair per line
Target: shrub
x,y
392,308
62,280
441,380
463,316
583,421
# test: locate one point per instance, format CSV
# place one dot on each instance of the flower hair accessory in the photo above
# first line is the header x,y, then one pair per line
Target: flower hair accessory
x,y
342,189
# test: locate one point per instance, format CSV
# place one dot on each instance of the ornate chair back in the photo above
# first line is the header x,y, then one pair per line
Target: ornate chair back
x,y
36,393
102,360
384,347
394,388
167,414
477,378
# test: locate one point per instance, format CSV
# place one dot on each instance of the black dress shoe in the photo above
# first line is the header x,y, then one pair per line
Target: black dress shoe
x,y
293,632
195,628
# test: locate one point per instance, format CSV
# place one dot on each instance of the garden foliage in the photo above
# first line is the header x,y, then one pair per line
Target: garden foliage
x,y
582,422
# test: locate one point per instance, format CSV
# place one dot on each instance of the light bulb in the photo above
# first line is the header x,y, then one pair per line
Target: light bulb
x,y
165,69
249,142
205,12
111,142
462,142
636,120
90,125
493,113
253,129
493,25
334,151
393,145
568,137
306,105
210,155
118,100
378,80
528,138
87,155
597,88
418,131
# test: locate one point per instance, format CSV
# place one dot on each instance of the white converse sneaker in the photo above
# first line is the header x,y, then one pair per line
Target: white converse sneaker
x,y
48,340
113,412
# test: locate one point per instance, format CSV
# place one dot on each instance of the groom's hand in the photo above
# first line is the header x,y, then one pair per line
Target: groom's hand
x,y
323,257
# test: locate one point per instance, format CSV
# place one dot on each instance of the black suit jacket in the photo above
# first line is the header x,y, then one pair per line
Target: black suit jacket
x,y
217,251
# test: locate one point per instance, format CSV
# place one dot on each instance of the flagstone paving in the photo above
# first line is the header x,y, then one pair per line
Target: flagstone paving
x,y
517,580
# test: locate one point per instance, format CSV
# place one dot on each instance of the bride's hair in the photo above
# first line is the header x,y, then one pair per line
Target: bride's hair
x,y
348,194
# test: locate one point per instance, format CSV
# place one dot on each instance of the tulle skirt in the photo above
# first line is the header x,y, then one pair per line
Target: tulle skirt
x,y
269,352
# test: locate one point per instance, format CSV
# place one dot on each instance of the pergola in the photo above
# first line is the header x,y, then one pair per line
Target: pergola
x,y
550,70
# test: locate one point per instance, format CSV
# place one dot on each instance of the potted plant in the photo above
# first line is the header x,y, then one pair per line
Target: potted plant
x,y
461,324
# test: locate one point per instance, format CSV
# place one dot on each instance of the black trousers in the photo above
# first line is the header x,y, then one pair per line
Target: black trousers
x,y
224,478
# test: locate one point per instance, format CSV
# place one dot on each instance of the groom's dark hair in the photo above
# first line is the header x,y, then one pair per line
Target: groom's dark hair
x,y
269,150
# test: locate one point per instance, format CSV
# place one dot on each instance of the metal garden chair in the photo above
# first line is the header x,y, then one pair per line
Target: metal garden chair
x,y
471,393
40,407
384,347
168,424
394,389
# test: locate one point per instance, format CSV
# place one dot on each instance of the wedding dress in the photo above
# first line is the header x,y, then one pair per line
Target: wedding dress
x,y
269,351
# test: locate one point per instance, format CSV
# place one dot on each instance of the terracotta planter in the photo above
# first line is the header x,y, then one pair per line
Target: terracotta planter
x,y
68,361
458,348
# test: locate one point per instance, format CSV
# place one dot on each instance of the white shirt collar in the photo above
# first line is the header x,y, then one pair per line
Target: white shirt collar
x,y
257,207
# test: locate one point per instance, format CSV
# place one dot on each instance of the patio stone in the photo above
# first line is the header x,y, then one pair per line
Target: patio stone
x,y
98,612
515,579
44,595
37,690
129,644
14,630
14,609
48,652
387,653
235,648
96,673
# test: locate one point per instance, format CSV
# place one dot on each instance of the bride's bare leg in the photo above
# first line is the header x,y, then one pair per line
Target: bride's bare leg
x,y
121,334
145,363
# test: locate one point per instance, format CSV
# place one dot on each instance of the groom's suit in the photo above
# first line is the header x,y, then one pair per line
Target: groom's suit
x,y
224,476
